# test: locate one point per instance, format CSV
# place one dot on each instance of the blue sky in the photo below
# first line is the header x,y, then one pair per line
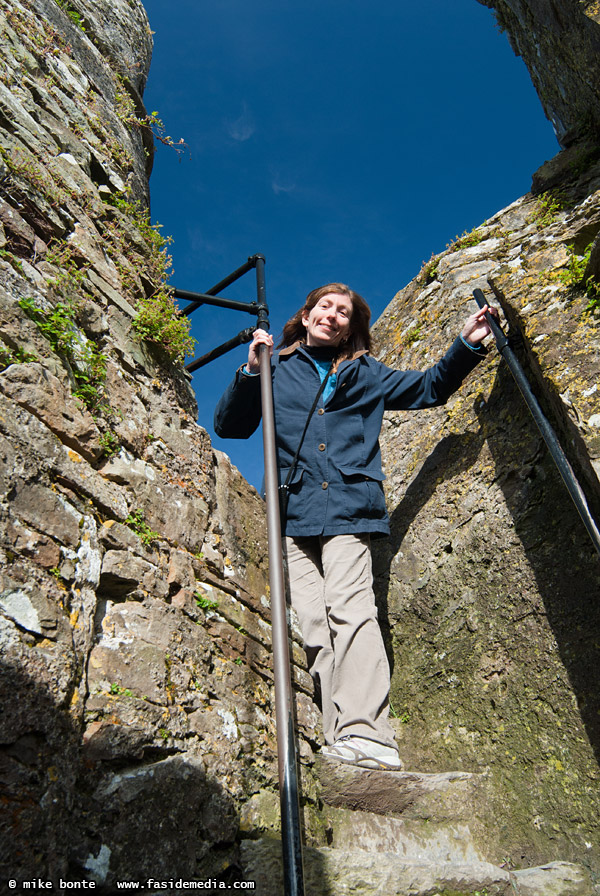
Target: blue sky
x,y
345,141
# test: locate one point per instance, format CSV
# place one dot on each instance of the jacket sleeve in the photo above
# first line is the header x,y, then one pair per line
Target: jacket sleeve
x,y
411,389
239,410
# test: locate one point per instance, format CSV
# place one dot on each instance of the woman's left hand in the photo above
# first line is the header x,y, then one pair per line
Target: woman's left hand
x,y
476,326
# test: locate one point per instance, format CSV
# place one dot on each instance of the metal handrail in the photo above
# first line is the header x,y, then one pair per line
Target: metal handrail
x,y
558,456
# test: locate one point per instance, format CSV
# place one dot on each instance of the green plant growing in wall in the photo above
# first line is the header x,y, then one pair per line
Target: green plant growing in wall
x,y
75,17
205,603
593,287
124,104
412,335
69,277
466,240
12,259
138,524
550,205
110,444
140,119
575,271
117,691
574,277
156,126
86,362
14,355
158,319
428,271
25,167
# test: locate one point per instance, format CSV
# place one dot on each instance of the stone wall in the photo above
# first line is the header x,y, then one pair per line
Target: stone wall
x,y
137,733
559,42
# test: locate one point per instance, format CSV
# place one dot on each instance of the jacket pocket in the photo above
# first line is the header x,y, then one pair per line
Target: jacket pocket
x,y
362,493
360,473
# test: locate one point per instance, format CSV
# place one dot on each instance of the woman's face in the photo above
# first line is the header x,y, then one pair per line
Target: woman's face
x,y
328,323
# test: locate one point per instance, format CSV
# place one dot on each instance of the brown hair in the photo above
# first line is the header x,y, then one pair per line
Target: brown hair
x,y
359,337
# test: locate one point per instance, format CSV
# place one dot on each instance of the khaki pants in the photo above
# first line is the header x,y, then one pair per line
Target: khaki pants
x,y
331,590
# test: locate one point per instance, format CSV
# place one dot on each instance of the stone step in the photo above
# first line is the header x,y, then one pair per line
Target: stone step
x,y
337,872
444,797
416,840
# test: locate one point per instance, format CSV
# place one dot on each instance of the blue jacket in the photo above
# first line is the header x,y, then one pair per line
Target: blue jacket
x,y
337,485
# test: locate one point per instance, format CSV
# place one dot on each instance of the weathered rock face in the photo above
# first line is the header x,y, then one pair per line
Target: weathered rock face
x,y
135,666
560,44
490,583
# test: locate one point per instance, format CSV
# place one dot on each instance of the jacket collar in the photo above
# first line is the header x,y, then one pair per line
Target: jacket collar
x,y
290,349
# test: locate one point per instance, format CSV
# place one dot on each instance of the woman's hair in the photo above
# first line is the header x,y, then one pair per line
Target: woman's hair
x,y
359,337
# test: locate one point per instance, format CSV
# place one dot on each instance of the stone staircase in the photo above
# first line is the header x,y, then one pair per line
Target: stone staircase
x,y
404,834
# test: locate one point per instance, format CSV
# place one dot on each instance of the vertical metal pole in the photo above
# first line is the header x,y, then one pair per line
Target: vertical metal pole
x,y
291,840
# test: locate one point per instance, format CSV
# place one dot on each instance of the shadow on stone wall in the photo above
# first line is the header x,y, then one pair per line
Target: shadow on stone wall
x,y
38,761
66,816
454,454
557,547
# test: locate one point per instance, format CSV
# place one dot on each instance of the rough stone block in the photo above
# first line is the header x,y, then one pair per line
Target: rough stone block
x,y
444,796
123,572
47,512
37,390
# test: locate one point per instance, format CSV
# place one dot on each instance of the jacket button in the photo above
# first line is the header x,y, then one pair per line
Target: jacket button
x,y
322,446
321,411
325,485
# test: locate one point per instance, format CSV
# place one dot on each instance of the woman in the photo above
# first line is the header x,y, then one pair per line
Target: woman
x,y
336,500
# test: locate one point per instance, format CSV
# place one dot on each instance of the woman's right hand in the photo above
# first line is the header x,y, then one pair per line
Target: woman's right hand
x,y
261,337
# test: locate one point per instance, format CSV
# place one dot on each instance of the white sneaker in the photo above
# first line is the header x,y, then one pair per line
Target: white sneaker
x,y
363,752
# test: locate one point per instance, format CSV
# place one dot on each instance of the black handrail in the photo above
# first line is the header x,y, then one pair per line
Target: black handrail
x,y
558,456
198,299
242,336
